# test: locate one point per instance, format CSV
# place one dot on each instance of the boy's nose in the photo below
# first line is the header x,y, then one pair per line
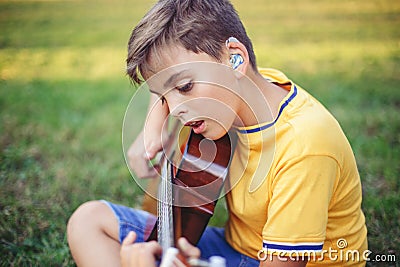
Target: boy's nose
x,y
177,109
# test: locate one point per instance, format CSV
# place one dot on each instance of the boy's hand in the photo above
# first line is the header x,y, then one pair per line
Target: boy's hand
x,y
146,253
149,142
142,150
139,254
187,249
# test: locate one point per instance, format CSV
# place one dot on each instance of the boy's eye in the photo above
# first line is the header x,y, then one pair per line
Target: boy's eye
x,y
185,87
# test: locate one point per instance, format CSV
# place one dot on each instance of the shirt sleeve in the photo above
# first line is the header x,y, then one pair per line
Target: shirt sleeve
x,y
298,210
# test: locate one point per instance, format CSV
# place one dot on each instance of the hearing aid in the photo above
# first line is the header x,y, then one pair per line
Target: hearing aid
x,y
231,40
235,59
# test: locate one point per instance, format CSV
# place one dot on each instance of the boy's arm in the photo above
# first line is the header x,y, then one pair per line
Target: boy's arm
x,y
299,206
149,141
282,262
157,113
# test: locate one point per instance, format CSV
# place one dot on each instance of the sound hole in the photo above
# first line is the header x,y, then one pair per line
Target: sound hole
x,y
202,155
208,150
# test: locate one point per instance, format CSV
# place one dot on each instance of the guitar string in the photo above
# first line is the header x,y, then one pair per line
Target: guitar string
x,y
165,225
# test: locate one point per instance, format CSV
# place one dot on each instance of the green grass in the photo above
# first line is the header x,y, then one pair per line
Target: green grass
x,y
63,93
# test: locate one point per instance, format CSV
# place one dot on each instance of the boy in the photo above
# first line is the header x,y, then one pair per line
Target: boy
x,y
295,190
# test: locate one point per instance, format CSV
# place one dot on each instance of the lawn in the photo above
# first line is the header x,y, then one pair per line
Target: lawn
x,y
63,94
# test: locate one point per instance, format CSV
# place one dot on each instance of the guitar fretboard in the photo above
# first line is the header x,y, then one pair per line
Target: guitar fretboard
x,y
165,211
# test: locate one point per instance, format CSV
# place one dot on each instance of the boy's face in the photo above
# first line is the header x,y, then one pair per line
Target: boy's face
x,y
201,92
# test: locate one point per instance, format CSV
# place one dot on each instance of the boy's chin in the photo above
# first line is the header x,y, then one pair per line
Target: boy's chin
x,y
214,135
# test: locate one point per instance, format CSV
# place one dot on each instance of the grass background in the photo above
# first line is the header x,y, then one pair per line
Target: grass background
x,y
63,93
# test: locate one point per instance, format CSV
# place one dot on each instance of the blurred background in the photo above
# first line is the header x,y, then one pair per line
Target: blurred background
x,y
63,94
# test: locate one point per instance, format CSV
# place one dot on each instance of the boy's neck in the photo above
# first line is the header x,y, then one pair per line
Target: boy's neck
x,y
262,100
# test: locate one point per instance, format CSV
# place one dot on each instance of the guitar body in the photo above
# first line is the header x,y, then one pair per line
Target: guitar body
x,y
197,184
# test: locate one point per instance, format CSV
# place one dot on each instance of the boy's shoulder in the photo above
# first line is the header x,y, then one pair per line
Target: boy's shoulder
x,y
299,108
305,124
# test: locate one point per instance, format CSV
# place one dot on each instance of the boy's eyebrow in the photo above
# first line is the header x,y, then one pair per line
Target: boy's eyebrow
x,y
170,81
173,78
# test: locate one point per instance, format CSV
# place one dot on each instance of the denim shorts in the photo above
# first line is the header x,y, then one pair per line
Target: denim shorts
x,y
212,242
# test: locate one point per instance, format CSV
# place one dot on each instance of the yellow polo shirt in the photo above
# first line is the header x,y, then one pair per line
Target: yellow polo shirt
x,y
296,188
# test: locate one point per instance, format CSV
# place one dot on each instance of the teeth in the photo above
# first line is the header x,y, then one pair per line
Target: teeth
x,y
193,123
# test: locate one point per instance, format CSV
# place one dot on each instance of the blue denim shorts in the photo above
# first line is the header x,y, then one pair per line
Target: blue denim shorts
x,y
212,242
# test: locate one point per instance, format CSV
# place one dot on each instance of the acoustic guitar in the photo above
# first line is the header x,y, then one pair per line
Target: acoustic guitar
x,y
192,177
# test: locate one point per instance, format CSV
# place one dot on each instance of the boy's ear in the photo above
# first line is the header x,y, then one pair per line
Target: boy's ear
x,y
238,56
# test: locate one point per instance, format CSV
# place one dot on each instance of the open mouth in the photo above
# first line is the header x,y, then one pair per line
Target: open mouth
x,y
197,126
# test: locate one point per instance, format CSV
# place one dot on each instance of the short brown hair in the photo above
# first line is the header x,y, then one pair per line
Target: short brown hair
x,y
198,25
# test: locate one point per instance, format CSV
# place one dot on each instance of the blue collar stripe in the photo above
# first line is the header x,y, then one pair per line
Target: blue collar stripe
x,y
294,247
279,114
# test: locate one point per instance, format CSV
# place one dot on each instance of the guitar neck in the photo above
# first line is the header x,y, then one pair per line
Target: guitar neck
x,y
165,228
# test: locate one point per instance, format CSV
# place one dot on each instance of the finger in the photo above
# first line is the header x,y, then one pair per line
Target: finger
x,y
139,166
129,239
142,169
151,150
154,248
188,249
150,172
149,154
